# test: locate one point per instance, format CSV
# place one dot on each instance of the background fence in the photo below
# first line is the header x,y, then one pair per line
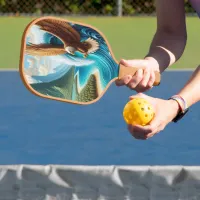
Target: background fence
x,y
81,7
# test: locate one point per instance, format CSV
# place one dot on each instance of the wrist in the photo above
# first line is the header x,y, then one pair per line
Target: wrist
x,y
180,107
175,106
153,63
163,57
181,101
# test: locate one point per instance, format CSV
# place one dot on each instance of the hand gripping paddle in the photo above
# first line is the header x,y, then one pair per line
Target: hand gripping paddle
x,y
68,61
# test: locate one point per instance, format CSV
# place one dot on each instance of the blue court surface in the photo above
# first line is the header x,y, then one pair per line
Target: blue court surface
x,y
39,131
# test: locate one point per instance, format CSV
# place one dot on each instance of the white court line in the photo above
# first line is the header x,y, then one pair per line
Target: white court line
x,y
8,70
180,70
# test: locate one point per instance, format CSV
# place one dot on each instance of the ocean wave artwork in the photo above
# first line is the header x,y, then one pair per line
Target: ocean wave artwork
x,y
67,60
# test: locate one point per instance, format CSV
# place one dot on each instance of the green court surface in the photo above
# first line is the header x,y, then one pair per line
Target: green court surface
x,y
129,38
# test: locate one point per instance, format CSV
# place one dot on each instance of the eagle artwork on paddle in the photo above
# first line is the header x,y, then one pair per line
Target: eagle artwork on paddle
x,y
69,36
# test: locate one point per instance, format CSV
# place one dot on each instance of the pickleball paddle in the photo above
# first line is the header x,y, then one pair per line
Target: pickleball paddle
x,y
68,61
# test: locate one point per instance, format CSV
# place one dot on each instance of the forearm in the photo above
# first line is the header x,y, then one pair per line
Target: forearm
x,y
166,48
191,91
170,38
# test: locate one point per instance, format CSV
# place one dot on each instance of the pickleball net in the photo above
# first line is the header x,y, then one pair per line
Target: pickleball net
x,y
62,182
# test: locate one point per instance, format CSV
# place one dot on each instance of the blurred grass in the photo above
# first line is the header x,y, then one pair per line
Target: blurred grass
x,y
129,38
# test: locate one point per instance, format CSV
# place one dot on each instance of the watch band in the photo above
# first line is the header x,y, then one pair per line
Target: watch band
x,y
181,101
182,105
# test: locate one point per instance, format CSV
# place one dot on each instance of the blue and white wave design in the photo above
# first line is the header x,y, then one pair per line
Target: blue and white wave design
x,y
49,68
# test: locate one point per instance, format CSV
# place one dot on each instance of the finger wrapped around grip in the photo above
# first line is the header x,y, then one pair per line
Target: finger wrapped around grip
x,y
123,71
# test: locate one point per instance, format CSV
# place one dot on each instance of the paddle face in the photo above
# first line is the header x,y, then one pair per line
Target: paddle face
x,y
66,61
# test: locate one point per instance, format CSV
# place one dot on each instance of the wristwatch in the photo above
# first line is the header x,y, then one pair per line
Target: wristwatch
x,y
182,105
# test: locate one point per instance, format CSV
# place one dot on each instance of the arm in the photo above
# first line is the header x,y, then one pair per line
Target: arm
x,y
167,110
191,91
170,38
166,48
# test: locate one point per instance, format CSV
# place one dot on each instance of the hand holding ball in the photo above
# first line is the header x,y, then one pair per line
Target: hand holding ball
x,y
138,112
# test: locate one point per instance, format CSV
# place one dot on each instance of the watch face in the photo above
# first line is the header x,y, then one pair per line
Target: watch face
x,y
180,115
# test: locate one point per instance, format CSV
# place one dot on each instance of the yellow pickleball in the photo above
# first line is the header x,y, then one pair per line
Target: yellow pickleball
x,y
138,112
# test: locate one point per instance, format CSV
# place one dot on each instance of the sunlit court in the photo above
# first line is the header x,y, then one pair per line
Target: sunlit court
x,y
54,149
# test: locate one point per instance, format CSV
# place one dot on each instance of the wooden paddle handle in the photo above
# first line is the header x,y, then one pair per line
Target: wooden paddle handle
x,y
123,71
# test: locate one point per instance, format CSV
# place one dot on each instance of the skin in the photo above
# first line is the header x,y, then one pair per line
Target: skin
x,y
166,110
167,46
168,42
